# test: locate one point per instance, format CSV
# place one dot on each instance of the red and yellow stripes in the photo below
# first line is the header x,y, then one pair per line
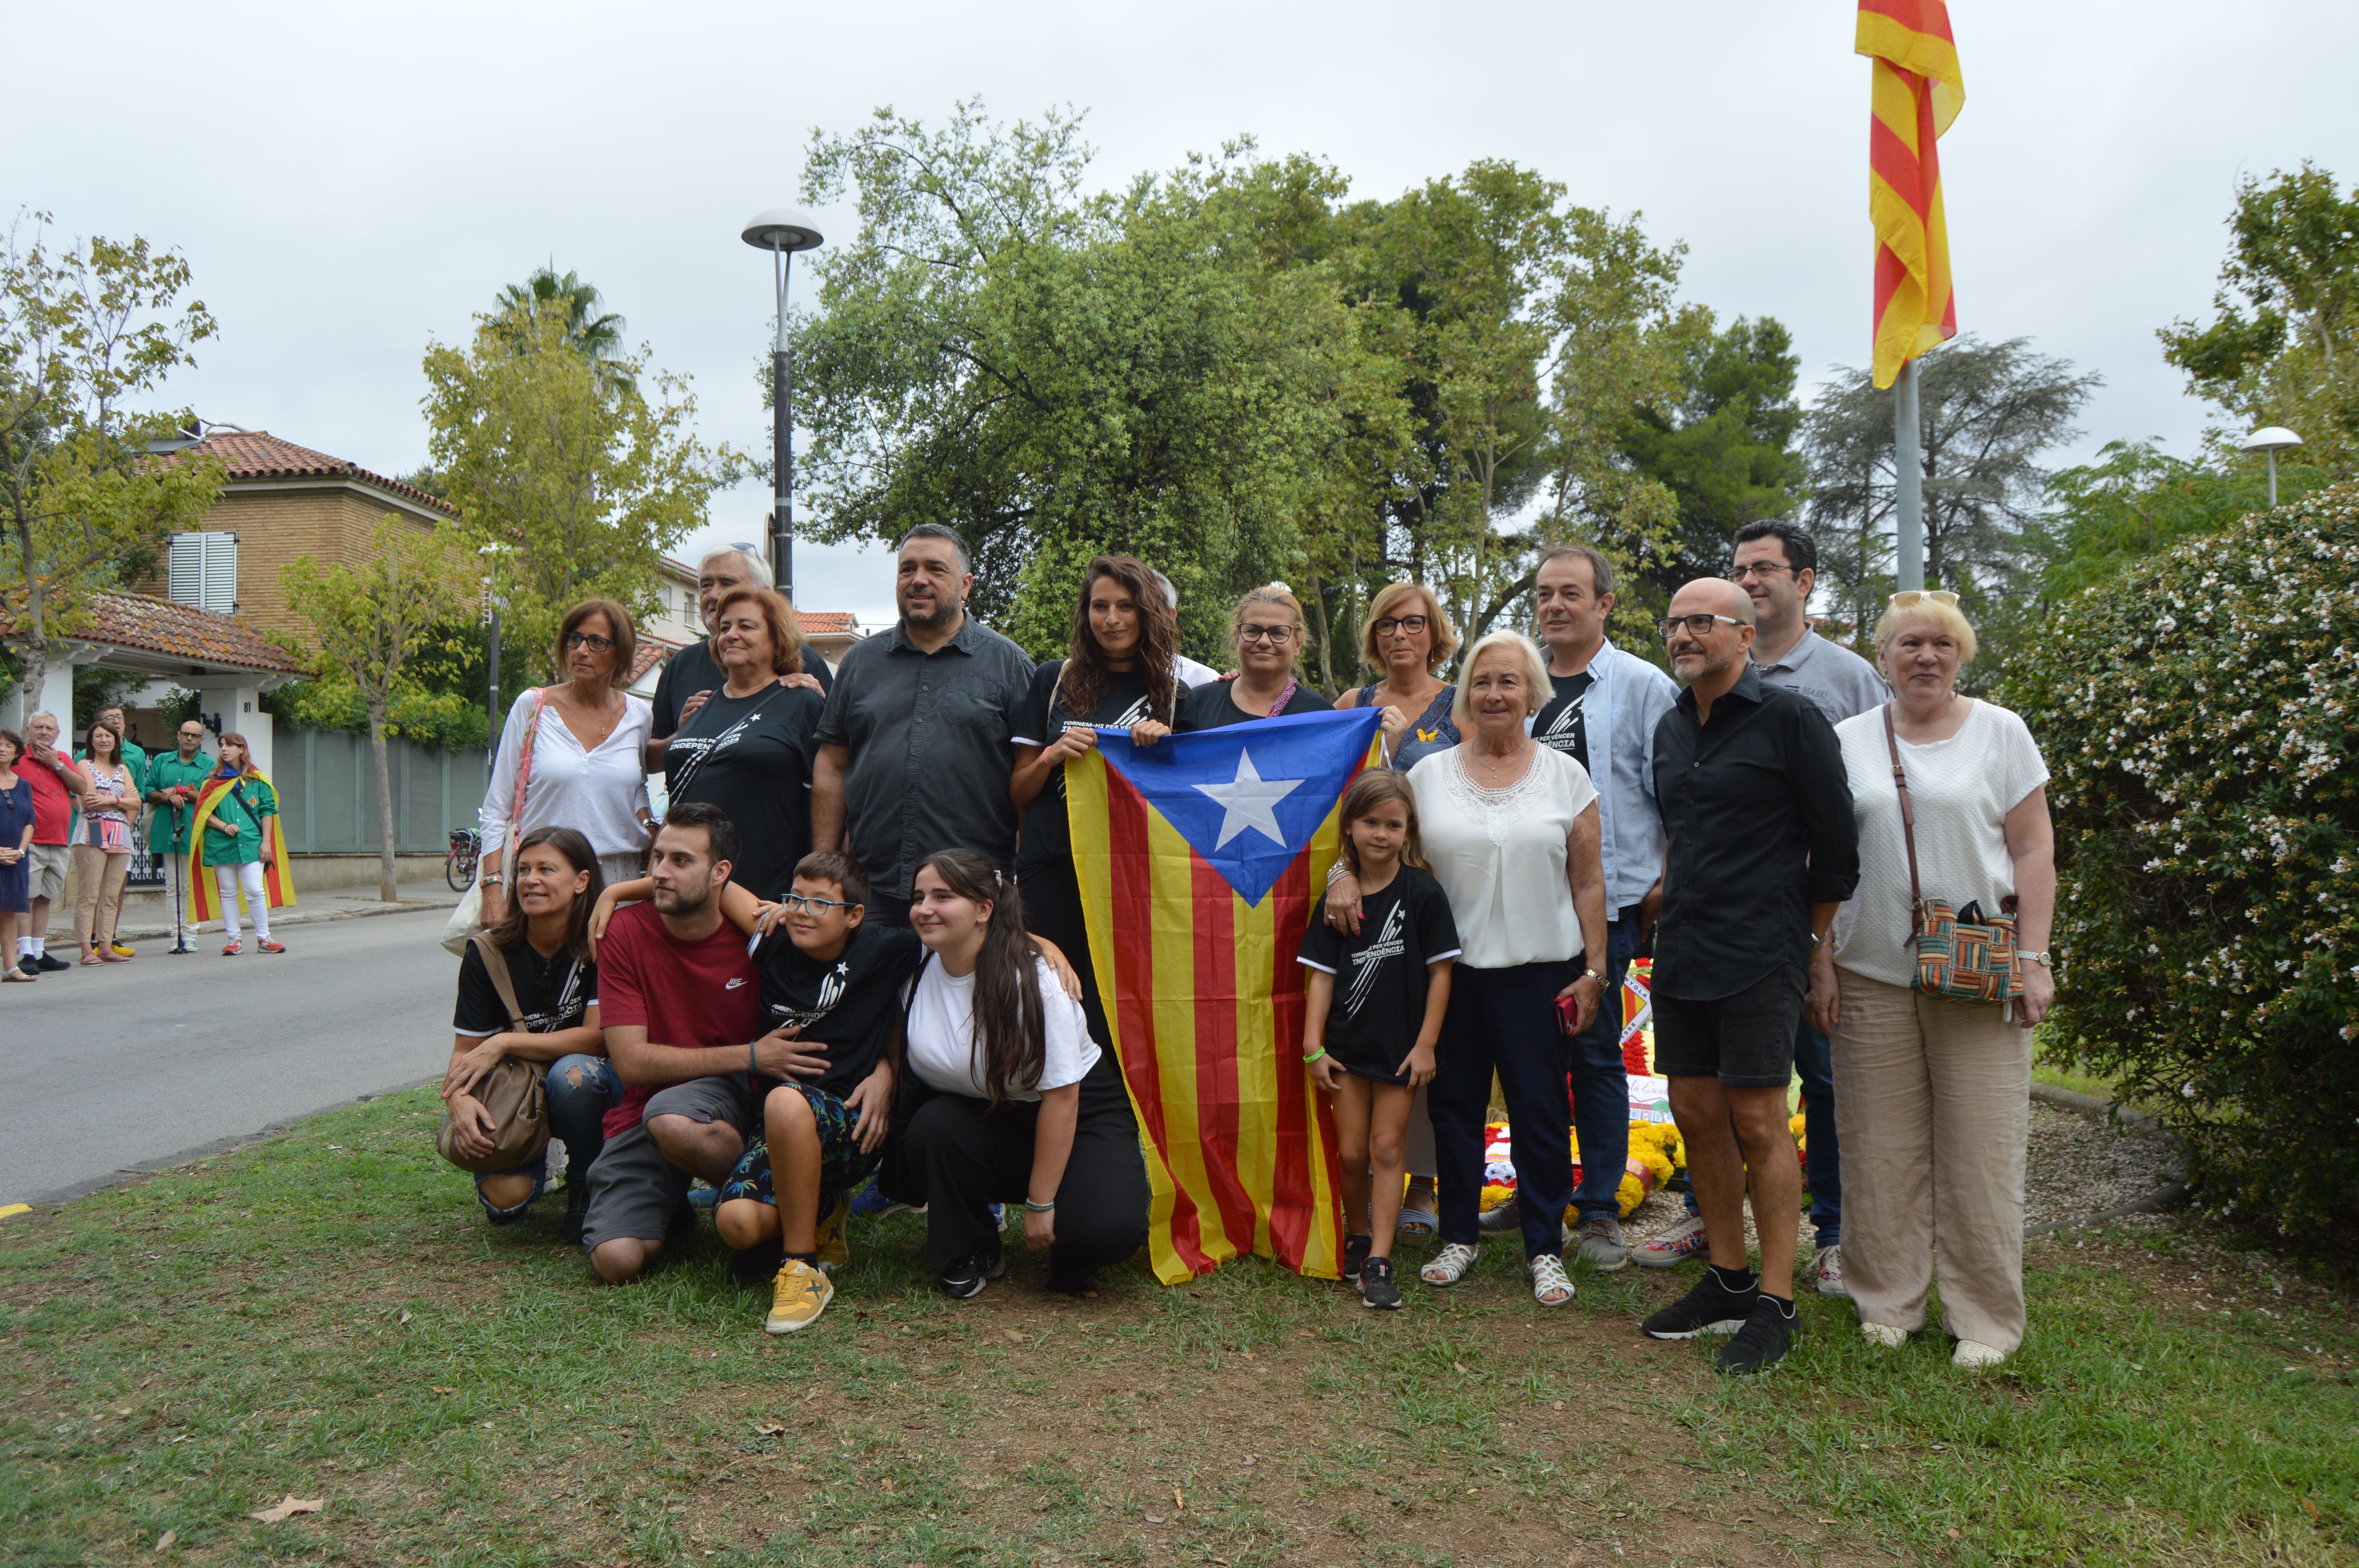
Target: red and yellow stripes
x,y
1918,90
277,887
1205,998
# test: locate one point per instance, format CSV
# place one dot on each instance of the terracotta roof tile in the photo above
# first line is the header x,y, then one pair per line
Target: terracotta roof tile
x,y
136,621
258,454
651,652
828,622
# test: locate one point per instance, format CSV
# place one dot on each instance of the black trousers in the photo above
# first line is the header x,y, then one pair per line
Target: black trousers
x,y
1504,1021
1052,908
955,1155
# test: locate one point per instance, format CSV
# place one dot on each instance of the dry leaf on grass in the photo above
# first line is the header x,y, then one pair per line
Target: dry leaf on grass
x,y
164,1542
441,1389
287,1506
770,1428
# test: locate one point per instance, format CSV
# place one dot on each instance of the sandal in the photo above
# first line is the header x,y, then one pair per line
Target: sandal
x,y
1547,1280
13,974
1417,1221
1448,1266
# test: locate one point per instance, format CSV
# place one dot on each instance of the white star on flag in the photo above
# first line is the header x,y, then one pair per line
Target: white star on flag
x,y
1250,801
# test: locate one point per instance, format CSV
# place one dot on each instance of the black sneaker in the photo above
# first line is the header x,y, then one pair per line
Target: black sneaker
x,y
52,963
1377,1287
1762,1343
964,1279
577,1211
1355,1256
1710,1308
29,967
758,1264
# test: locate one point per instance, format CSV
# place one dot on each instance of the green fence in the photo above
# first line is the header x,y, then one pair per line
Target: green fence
x,y
327,792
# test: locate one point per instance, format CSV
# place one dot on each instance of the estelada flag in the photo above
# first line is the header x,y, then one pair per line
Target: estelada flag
x,y
1917,90
277,887
1200,860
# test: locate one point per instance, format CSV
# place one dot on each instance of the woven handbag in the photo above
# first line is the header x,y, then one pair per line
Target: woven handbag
x,y
515,1092
1962,955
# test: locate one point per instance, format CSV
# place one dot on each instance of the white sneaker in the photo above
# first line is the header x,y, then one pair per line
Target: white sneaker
x,y
1830,1271
1884,1335
1680,1242
1972,1356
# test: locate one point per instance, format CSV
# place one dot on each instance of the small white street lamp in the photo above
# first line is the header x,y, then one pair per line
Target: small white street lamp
x,y
2272,440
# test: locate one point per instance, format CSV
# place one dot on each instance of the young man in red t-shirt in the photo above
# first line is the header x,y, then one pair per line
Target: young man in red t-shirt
x,y
56,784
680,1000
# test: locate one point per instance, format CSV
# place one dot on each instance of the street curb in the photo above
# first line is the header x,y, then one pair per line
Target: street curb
x,y
301,916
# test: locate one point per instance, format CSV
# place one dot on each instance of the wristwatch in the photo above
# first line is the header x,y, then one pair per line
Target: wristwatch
x,y
2040,958
1594,975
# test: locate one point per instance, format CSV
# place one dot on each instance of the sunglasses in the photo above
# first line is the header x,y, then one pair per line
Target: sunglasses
x,y
1913,596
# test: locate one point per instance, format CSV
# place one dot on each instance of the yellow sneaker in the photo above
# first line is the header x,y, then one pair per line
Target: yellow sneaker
x,y
801,1294
834,1250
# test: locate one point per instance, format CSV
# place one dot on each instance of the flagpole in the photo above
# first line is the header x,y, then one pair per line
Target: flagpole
x,y
1908,472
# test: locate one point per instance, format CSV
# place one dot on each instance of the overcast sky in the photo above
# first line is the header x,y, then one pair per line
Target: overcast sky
x,y
348,183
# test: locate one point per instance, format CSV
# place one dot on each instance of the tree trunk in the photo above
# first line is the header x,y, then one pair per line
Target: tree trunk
x,y
385,889
1319,609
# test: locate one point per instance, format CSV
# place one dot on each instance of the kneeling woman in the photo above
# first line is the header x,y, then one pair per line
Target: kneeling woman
x,y
544,940
1005,1097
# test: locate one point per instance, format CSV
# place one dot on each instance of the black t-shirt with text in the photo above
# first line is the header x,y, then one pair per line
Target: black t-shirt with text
x,y
1561,726
850,1003
692,669
1048,830
555,992
1210,706
1380,975
751,756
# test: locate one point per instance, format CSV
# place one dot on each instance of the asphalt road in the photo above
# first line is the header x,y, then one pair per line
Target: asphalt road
x,y
144,1063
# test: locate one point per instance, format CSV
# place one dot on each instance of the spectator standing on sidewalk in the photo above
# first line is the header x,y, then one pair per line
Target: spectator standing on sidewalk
x,y
56,783
236,838
135,758
101,845
15,850
173,781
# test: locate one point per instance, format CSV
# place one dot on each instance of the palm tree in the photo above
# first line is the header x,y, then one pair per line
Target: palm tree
x,y
597,336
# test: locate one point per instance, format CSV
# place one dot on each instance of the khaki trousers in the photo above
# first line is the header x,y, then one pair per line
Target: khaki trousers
x,y
98,893
1932,1106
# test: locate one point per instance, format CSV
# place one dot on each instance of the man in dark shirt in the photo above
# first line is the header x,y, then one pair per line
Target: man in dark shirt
x,y
691,675
917,744
1761,850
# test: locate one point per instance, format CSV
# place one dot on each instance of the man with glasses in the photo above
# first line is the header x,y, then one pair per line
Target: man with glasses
x,y
1761,850
692,674
1602,714
173,781
917,743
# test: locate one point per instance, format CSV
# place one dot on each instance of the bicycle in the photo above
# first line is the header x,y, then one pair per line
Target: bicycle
x,y
459,864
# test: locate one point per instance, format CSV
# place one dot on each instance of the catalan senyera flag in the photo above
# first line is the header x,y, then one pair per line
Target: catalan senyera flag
x,y
1917,92
205,902
1200,858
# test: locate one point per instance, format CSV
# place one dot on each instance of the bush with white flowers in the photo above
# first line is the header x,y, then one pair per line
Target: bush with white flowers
x,y
2197,714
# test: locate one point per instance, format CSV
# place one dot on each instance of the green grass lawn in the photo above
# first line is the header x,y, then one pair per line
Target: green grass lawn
x,y
326,1315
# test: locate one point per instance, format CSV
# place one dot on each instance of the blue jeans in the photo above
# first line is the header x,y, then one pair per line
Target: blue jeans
x,y
1814,1060
1601,1084
582,1091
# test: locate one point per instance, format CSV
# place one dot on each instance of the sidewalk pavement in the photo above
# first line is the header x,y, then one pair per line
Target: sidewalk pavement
x,y
336,903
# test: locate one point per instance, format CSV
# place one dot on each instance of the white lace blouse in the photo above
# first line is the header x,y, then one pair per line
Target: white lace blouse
x,y
1499,854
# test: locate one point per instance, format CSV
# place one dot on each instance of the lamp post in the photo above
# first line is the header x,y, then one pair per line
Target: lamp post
x,y
782,232
2272,440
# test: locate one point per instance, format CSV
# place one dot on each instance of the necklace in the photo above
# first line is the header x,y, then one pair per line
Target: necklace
x,y
1498,806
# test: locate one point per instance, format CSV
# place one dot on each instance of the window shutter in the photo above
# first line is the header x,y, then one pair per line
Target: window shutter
x,y
201,570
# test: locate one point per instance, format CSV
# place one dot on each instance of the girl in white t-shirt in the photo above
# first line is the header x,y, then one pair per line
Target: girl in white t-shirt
x,y
1006,1098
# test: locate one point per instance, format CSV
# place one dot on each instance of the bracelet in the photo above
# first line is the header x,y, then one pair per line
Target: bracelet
x,y
494,879
1314,1055
1031,1207
1341,867
753,1059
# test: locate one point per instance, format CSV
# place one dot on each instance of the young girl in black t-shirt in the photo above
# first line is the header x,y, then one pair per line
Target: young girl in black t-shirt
x,y
1373,1010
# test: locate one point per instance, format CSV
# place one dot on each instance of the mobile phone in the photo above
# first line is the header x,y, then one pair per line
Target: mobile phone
x,y
1568,1015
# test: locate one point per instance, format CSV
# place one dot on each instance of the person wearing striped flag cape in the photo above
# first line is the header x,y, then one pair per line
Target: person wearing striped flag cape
x,y
236,833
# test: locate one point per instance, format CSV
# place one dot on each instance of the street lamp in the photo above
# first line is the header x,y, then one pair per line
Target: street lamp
x,y
782,232
2272,440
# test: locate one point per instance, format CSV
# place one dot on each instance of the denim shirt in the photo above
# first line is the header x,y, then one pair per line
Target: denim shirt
x,y
1626,700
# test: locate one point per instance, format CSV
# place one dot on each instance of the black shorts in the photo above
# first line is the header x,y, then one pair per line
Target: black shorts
x,y
1746,1041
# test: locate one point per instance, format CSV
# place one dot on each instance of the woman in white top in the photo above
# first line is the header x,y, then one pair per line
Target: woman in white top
x,y
1003,1097
1931,1095
1510,829
101,845
589,745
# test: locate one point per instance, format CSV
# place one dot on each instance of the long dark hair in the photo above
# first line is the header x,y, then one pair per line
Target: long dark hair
x,y
1085,678
1011,1029
568,842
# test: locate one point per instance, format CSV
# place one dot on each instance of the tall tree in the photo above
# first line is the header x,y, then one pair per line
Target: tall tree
x,y
374,622
571,483
2283,347
1987,413
591,330
84,505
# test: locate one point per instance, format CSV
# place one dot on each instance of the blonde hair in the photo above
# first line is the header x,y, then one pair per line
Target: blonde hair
x,y
1387,603
1948,617
1276,593
1525,652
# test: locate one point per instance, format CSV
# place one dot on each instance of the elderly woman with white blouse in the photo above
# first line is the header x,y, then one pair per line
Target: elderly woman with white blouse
x,y
589,741
1931,1094
1510,830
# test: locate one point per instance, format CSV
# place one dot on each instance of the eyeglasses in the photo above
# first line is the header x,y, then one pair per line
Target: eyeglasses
x,y
802,903
590,639
1412,625
1913,596
1761,569
1264,633
1698,626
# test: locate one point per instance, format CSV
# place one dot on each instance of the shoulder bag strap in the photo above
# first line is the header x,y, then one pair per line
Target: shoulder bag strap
x,y
495,963
1907,819
524,767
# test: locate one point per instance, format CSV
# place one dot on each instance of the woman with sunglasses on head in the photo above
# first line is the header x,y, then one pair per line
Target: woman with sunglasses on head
x,y
1931,1093
1268,632
101,845
574,748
